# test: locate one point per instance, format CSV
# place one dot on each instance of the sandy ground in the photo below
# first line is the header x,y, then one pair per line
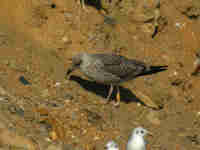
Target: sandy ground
x,y
41,110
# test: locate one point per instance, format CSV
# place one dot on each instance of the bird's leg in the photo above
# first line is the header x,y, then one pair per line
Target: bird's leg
x,y
109,93
117,97
83,4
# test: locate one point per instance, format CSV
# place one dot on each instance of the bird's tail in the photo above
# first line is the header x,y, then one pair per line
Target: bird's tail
x,y
153,69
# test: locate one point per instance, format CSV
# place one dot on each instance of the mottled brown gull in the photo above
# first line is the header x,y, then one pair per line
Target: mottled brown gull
x,y
110,69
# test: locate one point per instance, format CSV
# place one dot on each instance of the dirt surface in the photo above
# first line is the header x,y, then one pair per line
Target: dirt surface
x,y
40,110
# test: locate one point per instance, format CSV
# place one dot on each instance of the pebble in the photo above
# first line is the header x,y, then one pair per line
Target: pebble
x,y
198,113
2,91
196,65
65,39
23,80
68,15
57,84
16,110
68,96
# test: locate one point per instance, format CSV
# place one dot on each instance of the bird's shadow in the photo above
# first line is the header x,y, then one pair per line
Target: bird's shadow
x,y
102,90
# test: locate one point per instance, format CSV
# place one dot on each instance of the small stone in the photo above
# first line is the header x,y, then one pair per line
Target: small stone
x,y
65,39
198,113
177,24
176,82
53,135
68,96
196,65
57,84
68,15
74,116
109,20
23,80
175,73
93,117
45,93
2,91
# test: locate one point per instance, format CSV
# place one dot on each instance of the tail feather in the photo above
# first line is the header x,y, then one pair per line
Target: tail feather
x,y
153,69
158,68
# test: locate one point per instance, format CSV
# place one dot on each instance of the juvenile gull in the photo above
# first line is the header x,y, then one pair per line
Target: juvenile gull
x,y
137,141
109,69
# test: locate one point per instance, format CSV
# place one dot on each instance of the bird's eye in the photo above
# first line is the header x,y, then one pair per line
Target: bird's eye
x,y
137,132
142,131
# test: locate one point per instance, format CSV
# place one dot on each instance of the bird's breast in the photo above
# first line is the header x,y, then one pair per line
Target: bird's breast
x,y
136,144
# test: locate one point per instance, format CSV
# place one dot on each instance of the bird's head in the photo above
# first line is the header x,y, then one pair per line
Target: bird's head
x,y
75,63
140,131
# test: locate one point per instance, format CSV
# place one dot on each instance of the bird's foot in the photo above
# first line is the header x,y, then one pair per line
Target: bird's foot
x,y
118,99
116,104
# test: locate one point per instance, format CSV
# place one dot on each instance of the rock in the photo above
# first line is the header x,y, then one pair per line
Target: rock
x,y
23,80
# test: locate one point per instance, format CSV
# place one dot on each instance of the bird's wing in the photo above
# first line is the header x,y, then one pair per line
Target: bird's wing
x,y
121,66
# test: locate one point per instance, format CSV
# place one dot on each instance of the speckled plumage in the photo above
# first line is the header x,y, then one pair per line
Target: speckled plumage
x,y
108,69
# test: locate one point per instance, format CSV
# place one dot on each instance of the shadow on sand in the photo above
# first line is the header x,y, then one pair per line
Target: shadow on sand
x,y
102,90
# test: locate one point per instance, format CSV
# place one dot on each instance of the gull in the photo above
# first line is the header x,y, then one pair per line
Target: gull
x,y
111,69
137,141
